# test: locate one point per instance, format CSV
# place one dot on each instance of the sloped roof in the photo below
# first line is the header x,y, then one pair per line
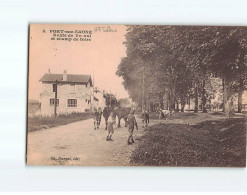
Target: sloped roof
x,y
71,78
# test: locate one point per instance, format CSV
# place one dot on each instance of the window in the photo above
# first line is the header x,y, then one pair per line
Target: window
x,y
72,102
54,87
72,88
52,102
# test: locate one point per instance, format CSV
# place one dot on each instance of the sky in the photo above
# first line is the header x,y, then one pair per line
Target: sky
x,y
99,57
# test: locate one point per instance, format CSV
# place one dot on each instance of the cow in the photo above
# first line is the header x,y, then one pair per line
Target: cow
x,y
164,113
120,112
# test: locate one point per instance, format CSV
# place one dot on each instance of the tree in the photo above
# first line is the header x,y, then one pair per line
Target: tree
x,y
124,102
229,60
182,59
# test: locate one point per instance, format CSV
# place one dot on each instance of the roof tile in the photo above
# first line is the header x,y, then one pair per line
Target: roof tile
x,y
71,78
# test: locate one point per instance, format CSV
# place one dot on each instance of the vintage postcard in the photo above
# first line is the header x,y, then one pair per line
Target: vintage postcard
x,y
137,95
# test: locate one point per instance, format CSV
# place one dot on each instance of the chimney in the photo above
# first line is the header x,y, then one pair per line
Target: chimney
x,y
49,71
65,75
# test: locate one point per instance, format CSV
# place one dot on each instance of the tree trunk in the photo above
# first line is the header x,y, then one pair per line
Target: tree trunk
x,y
240,93
224,99
189,103
182,105
151,106
177,106
196,99
169,100
173,98
161,101
204,110
210,104
229,107
166,96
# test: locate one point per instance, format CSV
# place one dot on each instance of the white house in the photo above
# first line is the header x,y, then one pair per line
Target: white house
x,y
73,93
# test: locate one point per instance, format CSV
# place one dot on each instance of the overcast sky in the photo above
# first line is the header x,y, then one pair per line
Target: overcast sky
x,y
99,57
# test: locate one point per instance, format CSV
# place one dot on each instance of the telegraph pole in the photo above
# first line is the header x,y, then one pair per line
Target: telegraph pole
x,y
55,104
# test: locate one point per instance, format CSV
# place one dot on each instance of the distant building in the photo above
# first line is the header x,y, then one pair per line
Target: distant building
x,y
244,101
73,93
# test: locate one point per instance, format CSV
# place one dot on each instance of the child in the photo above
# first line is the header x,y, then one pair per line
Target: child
x,y
96,119
132,123
110,123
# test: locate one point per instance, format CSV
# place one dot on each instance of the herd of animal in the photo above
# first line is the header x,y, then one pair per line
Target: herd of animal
x,y
122,113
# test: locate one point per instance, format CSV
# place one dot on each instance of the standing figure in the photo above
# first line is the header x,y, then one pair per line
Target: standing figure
x,y
96,119
110,122
100,114
131,120
145,118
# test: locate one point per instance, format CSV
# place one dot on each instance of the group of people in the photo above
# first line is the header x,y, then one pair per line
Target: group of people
x,y
110,120
131,120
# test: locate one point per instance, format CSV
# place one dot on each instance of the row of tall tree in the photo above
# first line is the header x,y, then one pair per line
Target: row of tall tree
x,y
179,62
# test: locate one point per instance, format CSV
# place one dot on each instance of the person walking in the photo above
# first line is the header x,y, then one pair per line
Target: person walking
x,y
145,118
110,122
96,119
131,120
100,114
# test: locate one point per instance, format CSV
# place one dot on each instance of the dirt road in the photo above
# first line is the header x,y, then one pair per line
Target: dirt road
x,y
79,144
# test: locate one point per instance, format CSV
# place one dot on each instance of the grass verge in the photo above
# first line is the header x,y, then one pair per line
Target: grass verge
x,y
210,143
38,123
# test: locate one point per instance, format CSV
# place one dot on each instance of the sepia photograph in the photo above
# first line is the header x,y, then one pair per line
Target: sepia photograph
x,y
137,95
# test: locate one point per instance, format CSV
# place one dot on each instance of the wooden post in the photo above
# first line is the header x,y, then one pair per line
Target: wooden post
x,y
55,103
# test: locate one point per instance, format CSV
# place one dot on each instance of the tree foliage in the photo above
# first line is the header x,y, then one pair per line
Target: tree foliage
x,y
181,60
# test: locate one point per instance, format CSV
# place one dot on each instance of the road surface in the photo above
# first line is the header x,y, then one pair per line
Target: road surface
x,y
79,144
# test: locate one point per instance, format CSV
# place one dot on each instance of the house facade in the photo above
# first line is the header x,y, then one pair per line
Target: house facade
x,y
72,93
